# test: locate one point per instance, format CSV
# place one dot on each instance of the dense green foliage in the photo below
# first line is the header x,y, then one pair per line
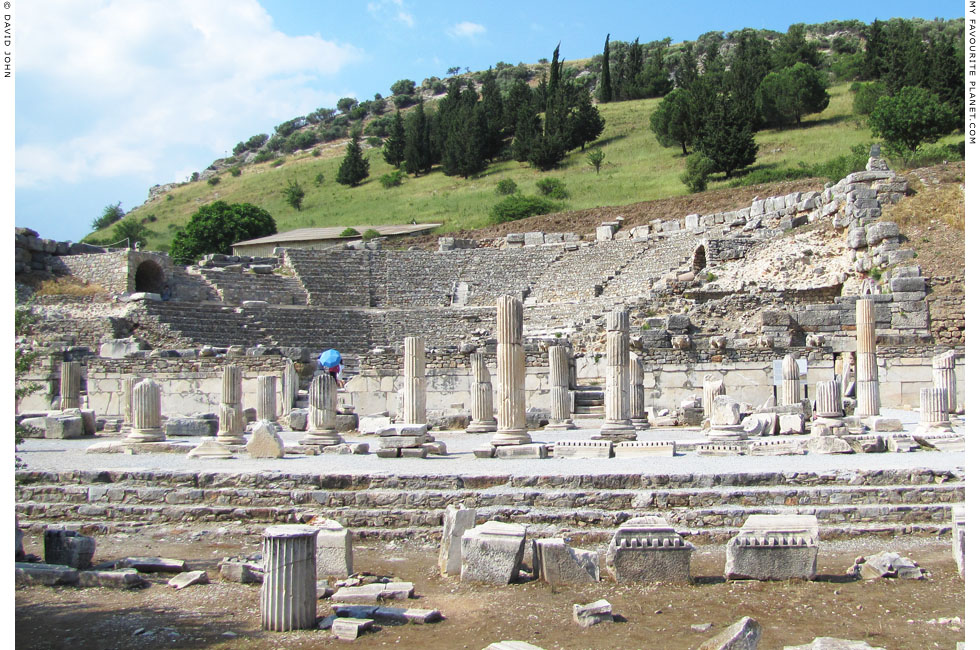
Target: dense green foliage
x,y
354,168
133,230
216,226
349,232
110,215
673,121
392,179
786,95
505,187
867,95
595,158
911,117
519,206
294,193
394,149
553,188
695,176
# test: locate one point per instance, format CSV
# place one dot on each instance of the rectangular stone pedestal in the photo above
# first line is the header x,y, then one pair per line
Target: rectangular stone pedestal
x,y
773,547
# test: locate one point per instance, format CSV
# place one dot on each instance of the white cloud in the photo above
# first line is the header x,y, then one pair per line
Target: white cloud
x,y
393,10
466,29
159,77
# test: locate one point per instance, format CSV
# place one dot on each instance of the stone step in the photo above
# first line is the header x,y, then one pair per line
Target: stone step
x,y
689,520
589,411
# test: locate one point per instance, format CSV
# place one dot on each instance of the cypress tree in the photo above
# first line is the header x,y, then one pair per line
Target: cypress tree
x,y
394,149
354,168
586,124
493,110
418,159
605,87
527,129
727,138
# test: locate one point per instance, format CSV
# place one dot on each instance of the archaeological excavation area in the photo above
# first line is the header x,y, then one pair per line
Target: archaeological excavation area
x,y
742,425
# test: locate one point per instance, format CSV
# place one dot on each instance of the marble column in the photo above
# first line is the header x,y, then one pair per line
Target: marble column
x,y
617,425
71,384
287,599
146,413
126,400
481,397
511,409
711,388
231,418
828,415
944,376
561,398
414,407
637,399
265,398
290,386
868,396
791,393
321,423
933,413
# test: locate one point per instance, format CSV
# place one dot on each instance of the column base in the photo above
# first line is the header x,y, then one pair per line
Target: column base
x,y
727,432
481,427
617,430
146,435
640,423
510,437
322,438
231,438
210,448
562,425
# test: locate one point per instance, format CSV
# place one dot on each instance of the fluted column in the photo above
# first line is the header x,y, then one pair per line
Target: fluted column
x,y
561,398
711,388
414,407
146,413
265,398
868,396
481,397
791,393
944,376
126,400
71,384
511,409
933,414
637,398
231,418
617,425
290,386
321,423
287,599
829,399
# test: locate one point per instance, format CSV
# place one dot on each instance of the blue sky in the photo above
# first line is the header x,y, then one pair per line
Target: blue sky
x,y
113,96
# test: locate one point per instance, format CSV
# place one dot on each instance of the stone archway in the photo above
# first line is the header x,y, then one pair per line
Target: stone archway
x,y
700,259
149,277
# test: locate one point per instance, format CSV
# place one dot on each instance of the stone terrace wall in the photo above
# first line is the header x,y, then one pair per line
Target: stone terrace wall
x,y
108,270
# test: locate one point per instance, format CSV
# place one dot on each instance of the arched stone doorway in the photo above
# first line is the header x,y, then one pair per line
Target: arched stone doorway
x,y
149,277
700,259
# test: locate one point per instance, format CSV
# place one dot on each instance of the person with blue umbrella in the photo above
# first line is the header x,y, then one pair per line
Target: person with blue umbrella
x,y
331,361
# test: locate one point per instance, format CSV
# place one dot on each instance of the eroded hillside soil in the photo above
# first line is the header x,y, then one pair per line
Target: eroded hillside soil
x,y
887,613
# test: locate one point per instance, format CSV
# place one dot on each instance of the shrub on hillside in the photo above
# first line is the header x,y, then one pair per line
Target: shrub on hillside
x,y
110,215
696,174
235,171
393,179
349,232
370,234
277,162
214,180
518,206
506,187
867,95
264,156
552,188
132,230
216,226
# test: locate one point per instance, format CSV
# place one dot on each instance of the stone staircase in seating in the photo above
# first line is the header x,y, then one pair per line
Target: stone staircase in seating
x,y
584,507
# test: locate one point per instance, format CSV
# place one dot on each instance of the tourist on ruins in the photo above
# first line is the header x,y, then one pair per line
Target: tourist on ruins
x,y
333,364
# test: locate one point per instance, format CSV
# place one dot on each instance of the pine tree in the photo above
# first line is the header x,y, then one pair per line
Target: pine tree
x,y
418,159
727,138
526,131
585,123
874,51
673,121
394,149
493,110
750,64
605,86
354,168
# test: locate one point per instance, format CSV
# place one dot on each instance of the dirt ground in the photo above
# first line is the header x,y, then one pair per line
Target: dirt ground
x,y
891,614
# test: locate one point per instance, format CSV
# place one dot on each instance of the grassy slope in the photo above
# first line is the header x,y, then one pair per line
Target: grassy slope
x,y
636,168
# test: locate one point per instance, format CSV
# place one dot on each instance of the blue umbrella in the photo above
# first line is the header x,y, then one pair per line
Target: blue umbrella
x,y
330,358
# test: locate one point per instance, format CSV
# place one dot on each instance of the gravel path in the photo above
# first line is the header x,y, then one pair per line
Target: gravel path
x,y
62,455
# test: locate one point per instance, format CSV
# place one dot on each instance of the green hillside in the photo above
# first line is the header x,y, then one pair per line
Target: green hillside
x,y
636,168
